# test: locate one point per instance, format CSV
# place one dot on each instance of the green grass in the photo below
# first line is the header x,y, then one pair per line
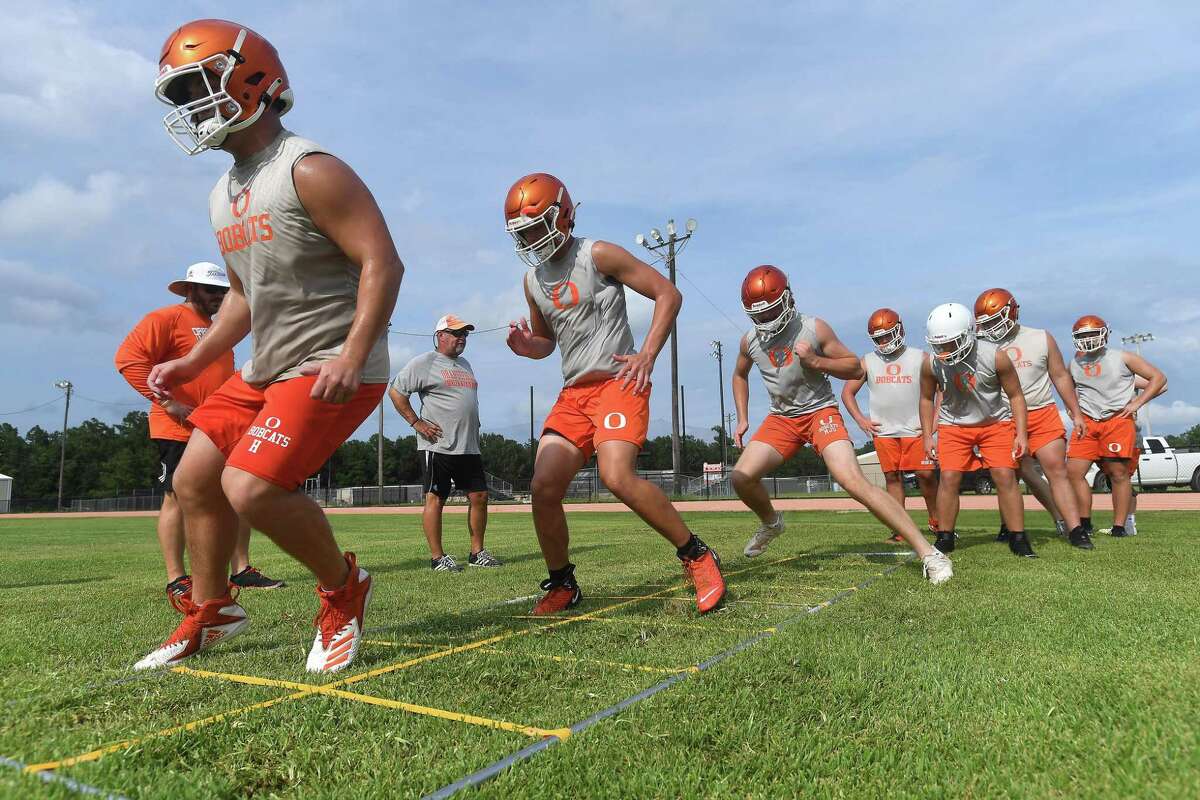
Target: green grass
x,y
1074,675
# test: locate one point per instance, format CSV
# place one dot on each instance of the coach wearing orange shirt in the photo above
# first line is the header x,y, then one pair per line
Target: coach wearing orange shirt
x,y
162,335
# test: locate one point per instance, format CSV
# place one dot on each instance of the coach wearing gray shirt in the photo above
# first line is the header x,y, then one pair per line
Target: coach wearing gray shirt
x,y
448,437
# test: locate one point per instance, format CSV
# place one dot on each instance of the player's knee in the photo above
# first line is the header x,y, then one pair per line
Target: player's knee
x,y
893,478
1004,478
243,491
193,487
951,481
621,482
477,498
742,481
544,490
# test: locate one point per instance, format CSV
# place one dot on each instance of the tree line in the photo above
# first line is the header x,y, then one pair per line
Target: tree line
x,y
106,460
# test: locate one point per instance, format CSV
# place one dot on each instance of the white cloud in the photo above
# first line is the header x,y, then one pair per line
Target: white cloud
x,y
50,205
47,300
57,76
1178,414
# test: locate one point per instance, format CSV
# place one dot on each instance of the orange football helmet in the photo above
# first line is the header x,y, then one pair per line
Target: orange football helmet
x,y
767,300
240,73
1090,333
886,331
996,312
539,215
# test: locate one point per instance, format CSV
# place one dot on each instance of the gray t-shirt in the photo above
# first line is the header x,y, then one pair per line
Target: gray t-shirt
x,y
795,389
971,391
449,398
1104,382
301,288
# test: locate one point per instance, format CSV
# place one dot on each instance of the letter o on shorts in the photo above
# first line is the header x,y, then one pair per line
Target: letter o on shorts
x,y
620,423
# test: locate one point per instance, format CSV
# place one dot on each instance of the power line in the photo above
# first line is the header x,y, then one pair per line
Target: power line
x,y
109,402
430,333
736,327
31,408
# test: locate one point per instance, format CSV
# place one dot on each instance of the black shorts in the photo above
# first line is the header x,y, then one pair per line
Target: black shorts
x,y
464,471
169,453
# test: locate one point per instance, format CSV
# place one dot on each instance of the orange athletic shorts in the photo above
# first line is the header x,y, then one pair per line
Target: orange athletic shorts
x,y
280,433
586,415
1045,425
1114,437
902,454
788,434
956,446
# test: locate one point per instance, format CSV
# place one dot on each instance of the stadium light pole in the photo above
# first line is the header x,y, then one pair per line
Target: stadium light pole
x,y
718,354
1136,340
671,245
66,386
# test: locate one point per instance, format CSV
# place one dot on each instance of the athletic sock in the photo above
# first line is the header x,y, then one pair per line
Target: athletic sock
x,y
693,549
1131,521
1004,528
1086,522
563,576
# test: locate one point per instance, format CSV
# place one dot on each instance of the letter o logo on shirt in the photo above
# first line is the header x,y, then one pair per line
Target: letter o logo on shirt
x,y
1014,353
893,369
240,203
619,422
273,423
1092,370
556,295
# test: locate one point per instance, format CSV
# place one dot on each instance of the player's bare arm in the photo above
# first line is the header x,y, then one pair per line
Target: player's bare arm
x,y
928,407
1140,384
1156,383
532,337
741,391
838,361
1060,376
231,325
849,399
343,209
430,431
617,262
1010,383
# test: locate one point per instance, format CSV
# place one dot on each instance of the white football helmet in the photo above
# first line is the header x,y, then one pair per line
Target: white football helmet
x,y
950,331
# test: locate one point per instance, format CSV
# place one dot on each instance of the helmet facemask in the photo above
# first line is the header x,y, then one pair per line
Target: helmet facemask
x,y
890,340
771,326
994,327
548,239
1089,340
961,345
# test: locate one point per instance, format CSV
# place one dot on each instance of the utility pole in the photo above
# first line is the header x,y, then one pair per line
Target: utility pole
x,y
718,354
670,243
532,449
379,452
66,386
1136,340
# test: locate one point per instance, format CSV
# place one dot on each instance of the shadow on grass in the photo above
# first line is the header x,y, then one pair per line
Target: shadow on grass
x,y
423,563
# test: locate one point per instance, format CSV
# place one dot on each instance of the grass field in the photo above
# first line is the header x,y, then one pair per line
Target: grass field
x,y
1077,674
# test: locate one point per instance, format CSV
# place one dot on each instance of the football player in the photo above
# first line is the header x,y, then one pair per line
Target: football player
x,y
575,290
1106,381
313,276
1039,364
973,377
893,370
795,354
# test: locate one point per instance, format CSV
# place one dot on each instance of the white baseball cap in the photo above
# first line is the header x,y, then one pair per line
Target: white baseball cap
x,y
203,273
452,323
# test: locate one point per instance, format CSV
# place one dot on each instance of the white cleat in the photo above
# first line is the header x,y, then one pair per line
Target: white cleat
x,y
340,622
763,537
936,568
201,628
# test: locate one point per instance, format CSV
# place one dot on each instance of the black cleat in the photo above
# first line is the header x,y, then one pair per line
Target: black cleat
x,y
1119,531
1079,538
1003,536
251,578
945,541
1019,544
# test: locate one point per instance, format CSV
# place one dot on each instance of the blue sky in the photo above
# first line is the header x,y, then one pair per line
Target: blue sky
x,y
880,153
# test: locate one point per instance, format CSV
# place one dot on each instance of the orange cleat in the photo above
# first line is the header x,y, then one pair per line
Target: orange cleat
x,y
340,621
704,573
203,626
558,597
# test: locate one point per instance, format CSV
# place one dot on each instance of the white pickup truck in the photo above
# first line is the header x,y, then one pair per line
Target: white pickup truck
x,y
1159,466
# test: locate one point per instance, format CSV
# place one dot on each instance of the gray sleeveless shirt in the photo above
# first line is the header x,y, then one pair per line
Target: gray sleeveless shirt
x,y
795,390
895,383
1103,381
301,288
971,391
586,311
1029,350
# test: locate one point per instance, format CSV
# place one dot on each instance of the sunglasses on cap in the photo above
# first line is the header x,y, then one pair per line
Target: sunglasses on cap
x,y
462,334
204,287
